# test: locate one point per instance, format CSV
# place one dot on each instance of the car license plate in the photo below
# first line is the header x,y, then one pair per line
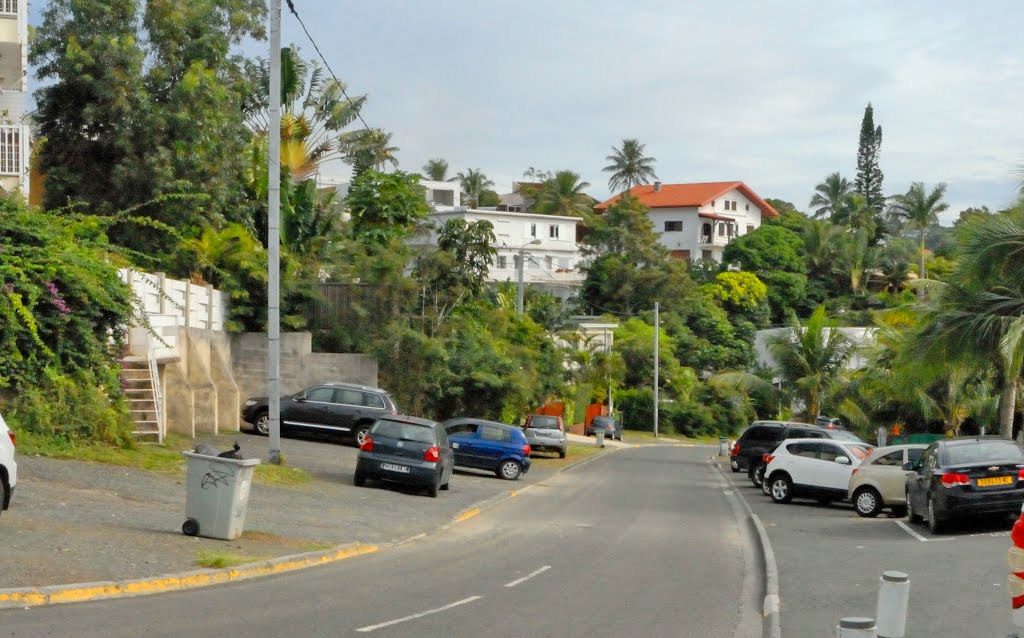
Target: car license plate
x,y
995,480
394,468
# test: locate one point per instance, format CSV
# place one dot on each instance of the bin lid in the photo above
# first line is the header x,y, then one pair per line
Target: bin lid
x,y
206,457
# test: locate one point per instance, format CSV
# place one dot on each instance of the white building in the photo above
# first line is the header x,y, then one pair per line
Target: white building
x,y
547,242
14,130
697,221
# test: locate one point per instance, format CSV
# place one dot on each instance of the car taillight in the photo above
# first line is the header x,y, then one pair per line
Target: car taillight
x,y
768,458
433,454
735,451
855,470
367,444
561,428
1020,473
765,456
952,479
14,441
526,450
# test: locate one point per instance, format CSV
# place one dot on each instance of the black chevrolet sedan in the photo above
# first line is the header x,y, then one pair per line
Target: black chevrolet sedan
x,y
959,478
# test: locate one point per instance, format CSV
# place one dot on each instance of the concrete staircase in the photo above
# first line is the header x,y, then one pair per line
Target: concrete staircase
x,y
141,383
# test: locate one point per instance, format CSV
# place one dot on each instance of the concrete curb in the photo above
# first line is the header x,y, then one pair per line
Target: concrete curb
x,y
771,605
81,592
84,592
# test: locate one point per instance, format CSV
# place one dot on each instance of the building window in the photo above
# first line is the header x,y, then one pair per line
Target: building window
x,y
673,227
553,231
705,255
550,261
721,229
502,262
10,150
748,210
705,234
734,205
750,229
533,230
712,203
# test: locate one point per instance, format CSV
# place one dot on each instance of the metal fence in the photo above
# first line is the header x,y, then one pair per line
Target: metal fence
x,y
338,305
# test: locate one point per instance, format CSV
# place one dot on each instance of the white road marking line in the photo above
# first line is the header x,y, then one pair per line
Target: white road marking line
x,y
528,576
419,615
907,529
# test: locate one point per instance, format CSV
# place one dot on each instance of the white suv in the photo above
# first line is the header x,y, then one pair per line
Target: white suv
x,y
8,468
812,468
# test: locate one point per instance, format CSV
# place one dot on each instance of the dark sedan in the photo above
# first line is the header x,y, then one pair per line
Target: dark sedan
x,y
959,478
612,428
406,449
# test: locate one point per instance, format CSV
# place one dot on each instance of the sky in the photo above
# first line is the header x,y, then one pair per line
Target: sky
x,y
770,93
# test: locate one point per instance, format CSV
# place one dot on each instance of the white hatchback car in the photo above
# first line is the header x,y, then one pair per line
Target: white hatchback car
x,y
813,468
8,468
881,481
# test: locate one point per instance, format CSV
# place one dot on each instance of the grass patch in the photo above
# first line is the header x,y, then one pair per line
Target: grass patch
x,y
214,559
636,436
161,459
575,452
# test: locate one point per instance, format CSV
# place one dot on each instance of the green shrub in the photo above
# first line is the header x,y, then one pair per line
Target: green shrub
x,y
637,409
83,407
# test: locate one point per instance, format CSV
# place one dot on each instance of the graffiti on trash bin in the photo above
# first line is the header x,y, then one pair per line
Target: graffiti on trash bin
x,y
220,474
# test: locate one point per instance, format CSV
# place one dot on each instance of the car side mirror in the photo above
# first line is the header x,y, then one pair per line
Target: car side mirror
x,y
300,397
909,466
842,460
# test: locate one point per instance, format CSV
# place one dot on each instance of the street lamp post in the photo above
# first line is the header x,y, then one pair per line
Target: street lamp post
x,y
519,297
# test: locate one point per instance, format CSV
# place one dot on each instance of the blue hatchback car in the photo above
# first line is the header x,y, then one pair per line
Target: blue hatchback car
x,y
489,445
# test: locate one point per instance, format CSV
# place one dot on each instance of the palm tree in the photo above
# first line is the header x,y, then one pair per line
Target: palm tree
x,y
856,213
856,258
830,196
812,359
820,241
563,195
314,113
473,183
979,315
370,148
629,167
436,170
919,209
893,271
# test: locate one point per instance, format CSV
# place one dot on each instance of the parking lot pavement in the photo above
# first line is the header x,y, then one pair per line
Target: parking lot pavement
x,y
79,522
830,561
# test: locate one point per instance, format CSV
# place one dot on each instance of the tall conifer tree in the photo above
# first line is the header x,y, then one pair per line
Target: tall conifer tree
x,y
869,175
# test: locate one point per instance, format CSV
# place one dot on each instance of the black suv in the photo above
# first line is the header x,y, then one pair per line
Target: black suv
x,y
342,408
764,436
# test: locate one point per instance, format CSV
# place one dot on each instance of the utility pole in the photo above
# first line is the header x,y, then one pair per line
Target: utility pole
x,y
519,292
274,239
657,358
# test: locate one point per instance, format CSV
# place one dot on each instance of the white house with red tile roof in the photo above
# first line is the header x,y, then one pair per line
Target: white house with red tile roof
x,y
697,221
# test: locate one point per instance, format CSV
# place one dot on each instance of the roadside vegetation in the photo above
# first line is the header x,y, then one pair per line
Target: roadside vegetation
x,y
180,187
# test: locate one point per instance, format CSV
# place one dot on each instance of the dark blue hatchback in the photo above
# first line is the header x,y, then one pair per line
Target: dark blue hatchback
x,y
488,445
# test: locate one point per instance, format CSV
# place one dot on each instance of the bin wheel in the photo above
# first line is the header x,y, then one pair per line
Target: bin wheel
x,y
190,527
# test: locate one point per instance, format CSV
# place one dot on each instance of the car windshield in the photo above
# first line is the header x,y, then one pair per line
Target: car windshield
x,y
984,452
602,420
403,431
543,423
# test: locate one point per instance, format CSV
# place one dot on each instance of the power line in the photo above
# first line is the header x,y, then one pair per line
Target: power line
x,y
341,85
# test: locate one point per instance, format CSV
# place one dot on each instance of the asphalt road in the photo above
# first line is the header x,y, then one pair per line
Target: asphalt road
x,y
643,542
830,561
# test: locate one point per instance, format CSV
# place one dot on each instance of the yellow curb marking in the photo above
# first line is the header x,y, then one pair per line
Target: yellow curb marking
x,y
173,583
468,514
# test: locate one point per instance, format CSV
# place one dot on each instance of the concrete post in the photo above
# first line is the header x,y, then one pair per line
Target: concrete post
x,y
856,628
893,600
209,306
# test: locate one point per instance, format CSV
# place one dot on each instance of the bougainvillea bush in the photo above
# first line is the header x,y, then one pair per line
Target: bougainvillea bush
x,y
63,317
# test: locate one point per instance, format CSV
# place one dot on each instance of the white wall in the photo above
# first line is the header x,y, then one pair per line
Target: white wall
x,y
746,214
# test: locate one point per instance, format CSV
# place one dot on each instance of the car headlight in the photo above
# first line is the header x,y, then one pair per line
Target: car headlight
x,y
250,403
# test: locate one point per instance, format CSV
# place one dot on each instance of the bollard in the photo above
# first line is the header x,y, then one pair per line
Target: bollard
x,y
893,599
599,436
1015,581
856,628
723,446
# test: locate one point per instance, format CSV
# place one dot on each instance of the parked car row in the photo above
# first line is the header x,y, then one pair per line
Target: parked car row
x,y
946,480
8,466
397,448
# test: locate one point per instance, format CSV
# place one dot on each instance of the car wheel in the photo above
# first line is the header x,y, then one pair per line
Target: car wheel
x,y
561,454
446,486
734,466
190,527
934,524
757,476
509,470
766,487
359,479
434,486
782,489
867,501
360,435
262,425
912,514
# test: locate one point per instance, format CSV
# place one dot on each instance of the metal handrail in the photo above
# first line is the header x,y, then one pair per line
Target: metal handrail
x,y
158,397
